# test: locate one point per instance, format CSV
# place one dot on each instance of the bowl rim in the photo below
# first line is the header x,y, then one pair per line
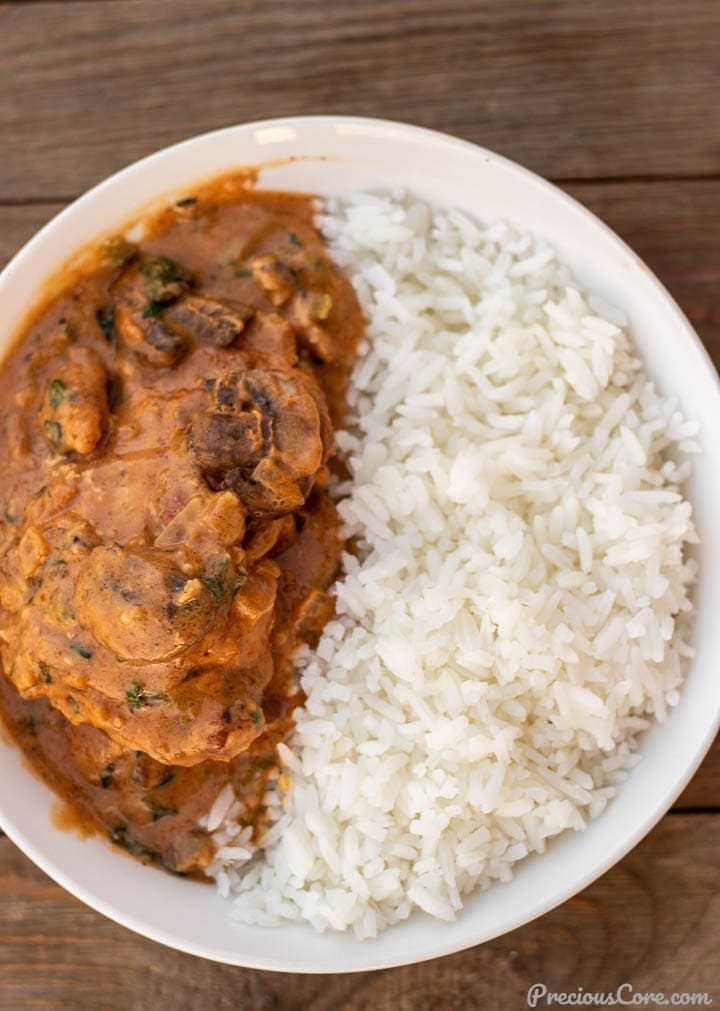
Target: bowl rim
x,y
615,853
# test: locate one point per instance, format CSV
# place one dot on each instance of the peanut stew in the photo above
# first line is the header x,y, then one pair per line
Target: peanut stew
x,y
167,540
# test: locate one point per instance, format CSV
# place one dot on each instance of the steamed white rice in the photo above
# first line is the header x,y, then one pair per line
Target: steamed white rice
x,y
518,610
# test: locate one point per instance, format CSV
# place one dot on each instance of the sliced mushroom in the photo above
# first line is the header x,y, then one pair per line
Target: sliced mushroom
x,y
267,438
74,413
207,320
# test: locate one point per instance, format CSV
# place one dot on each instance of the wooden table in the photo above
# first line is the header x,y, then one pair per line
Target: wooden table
x,y
618,101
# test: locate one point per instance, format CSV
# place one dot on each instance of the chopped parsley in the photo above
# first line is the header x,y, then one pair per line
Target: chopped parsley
x,y
118,250
151,309
163,279
106,322
137,697
295,240
81,650
216,581
53,433
45,673
186,202
58,389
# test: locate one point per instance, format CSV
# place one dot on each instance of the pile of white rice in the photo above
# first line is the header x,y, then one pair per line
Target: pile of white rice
x,y
517,613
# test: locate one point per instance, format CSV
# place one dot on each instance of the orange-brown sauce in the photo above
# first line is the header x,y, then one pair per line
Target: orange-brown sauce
x,y
166,536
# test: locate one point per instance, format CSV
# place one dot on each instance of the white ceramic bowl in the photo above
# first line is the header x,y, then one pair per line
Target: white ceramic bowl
x,y
341,154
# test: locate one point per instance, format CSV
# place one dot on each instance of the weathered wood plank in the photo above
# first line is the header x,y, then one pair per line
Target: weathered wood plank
x,y
570,88
673,226
653,921
19,223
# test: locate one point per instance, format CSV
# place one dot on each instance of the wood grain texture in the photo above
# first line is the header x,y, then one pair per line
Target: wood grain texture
x,y
567,87
653,920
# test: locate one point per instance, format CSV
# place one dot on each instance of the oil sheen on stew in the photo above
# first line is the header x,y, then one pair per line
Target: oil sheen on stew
x,y
166,536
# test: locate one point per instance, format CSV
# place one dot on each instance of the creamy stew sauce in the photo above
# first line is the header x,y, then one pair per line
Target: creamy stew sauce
x,y
166,536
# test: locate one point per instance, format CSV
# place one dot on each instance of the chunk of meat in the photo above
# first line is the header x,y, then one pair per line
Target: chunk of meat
x,y
152,604
188,851
164,656
265,536
74,413
270,341
267,438
140,294
205,319
274,278
204,522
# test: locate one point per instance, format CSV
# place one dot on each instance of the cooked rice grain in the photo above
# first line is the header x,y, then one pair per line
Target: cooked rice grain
x,y
518,610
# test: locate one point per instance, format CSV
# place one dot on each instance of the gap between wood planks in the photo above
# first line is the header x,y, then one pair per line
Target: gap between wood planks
x,y
561,181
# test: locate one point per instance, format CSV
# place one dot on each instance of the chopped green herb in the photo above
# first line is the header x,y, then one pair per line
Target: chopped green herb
x,y
151,309
164,279
53,433
158,811
255,716
137,697
186,202
45,673
106,322
58,390
107,775
160,268
81,650
216,581
242,272
209,385
294,239
73,703
118,250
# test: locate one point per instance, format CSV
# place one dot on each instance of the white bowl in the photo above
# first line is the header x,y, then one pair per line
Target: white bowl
x,y
340,154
